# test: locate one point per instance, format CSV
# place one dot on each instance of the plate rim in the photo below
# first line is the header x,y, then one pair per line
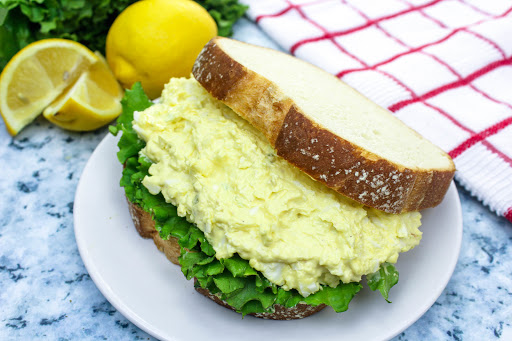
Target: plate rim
x,y
104,288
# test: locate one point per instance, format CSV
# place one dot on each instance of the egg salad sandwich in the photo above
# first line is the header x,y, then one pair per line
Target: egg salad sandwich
x,y
274,185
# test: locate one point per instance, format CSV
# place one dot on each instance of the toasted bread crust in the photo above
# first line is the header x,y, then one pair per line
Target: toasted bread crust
x,y
347,168
146,228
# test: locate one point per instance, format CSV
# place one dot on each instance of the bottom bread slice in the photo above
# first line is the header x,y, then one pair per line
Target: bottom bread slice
x,y
145,225
146,228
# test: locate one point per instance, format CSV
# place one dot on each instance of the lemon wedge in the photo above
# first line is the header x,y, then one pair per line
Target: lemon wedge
x,y
93,101
37,75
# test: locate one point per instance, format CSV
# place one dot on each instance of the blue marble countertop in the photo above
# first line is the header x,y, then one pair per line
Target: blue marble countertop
x,y
46,292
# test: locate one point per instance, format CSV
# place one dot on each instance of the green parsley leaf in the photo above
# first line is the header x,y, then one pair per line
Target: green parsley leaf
x,y
225,13
86,21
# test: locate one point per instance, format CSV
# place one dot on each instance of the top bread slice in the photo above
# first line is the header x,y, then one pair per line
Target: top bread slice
x,y
326,128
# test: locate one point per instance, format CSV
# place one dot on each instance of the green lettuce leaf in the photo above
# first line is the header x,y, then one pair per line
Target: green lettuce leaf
x,y
239,267
231,279
338,298
287,298
130,144
227,283
247,293
383,280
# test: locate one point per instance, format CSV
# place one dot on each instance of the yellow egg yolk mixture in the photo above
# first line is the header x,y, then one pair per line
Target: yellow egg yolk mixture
x,y
225,177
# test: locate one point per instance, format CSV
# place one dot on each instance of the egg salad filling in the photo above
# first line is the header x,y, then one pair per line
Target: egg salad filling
x,y
224,176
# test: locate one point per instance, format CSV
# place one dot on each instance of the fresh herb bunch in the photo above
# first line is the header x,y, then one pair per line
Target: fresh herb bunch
x,y
85,21
25,21
232,279
225,13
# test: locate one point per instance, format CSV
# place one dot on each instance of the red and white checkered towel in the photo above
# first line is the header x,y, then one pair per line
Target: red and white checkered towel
x,y
444,67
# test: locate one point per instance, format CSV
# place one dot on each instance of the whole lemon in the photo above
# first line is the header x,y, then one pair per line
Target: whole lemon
x,y
152,41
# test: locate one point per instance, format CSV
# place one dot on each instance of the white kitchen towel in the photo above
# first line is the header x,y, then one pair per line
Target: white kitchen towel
x,y
444,67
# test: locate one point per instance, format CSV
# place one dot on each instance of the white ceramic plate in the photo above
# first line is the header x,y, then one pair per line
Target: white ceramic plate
x,y
152,292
